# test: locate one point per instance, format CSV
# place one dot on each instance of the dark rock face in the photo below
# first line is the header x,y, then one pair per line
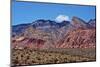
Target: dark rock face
x,y
46,34
92,22
19,29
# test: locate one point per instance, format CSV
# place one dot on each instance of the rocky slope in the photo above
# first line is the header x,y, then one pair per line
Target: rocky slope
x,y
79,39
46,34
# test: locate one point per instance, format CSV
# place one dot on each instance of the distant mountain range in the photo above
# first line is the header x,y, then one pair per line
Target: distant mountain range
x,y
45,34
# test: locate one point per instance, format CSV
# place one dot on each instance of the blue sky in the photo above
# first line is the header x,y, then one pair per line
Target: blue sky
x,y
27,12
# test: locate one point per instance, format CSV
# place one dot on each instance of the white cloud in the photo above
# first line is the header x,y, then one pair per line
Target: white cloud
x,y
61,18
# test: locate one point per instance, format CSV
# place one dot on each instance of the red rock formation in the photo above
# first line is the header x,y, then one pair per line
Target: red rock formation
x,y
28,42
74,34
79,39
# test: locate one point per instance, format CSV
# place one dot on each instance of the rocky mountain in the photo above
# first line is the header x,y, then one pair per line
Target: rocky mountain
x,y
18,29
39,24
78,23
79,39
45,34
92,22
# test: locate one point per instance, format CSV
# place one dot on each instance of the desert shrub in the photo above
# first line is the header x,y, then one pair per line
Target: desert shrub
x,y
31,56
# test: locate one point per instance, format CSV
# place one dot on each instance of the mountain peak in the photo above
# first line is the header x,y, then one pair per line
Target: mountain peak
x,y
92,22
78,22
77,19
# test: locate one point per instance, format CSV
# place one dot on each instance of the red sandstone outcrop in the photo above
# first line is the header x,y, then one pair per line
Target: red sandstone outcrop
x,y
79,39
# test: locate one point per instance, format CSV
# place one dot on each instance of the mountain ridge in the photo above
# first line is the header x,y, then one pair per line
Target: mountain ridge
x,y
45,34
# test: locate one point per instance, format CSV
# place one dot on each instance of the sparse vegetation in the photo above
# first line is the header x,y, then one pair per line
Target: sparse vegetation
x,y
33,56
